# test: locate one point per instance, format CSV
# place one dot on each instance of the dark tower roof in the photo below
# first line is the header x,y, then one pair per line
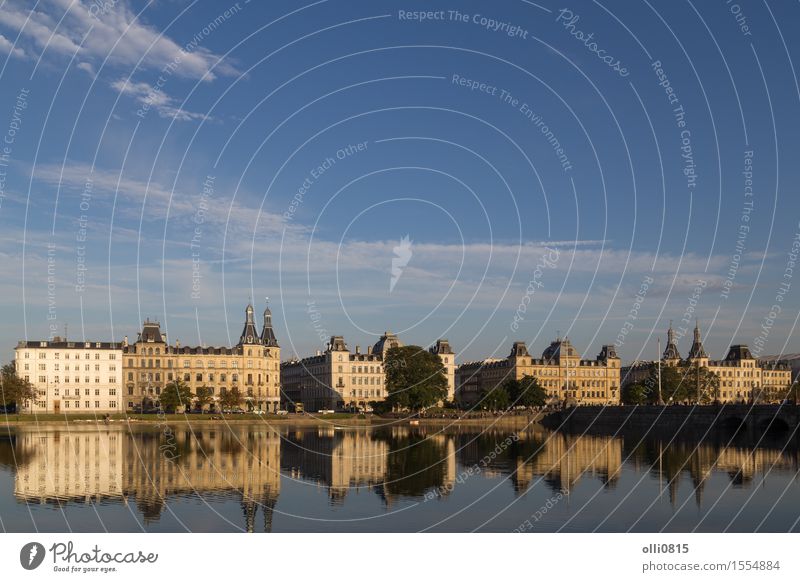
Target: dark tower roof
x,y
267,334
249,333
671,351
441,346
559,348
739,352
519,349
697,351
337,344
151,332
387,341
607,352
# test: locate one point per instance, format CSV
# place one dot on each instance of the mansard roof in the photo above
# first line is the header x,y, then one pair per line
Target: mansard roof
x,y
739,352
441,346
387,341
151,332
559,348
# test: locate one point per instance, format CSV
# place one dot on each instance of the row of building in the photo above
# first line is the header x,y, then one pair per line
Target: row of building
x,y
103,377
742,377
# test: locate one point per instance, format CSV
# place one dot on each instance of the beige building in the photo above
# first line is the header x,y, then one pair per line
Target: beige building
x,y
742,378
252,366
340,379
71,377
560,371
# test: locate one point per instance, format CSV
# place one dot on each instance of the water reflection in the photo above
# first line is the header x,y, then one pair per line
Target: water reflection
x,y
397,467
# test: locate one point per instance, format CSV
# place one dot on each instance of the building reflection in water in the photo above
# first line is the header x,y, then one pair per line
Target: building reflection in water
x,y
91,465
94,466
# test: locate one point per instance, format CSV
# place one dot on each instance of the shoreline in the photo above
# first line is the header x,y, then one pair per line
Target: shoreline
x,y
335,421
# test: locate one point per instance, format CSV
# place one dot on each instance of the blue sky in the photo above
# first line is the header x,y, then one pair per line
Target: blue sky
x,y
120,115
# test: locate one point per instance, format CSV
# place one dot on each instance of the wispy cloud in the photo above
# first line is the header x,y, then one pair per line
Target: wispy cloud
x,y
6,46
149,96
67,27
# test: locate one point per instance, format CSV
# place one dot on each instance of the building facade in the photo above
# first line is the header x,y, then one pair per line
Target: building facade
x,y
338,378
71,377
742,378
252,366
565,377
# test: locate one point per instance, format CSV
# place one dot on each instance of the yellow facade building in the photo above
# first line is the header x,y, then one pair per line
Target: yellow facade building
x,y
560,371
252,366
340,379
742,378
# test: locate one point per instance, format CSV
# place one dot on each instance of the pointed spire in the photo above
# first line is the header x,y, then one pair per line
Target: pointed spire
x,y
671,351
267,334
249,333
697,351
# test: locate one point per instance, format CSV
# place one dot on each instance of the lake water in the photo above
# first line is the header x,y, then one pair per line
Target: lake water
x,y
399,479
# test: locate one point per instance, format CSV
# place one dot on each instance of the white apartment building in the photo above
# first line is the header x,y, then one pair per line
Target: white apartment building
x,y
340,379
72,377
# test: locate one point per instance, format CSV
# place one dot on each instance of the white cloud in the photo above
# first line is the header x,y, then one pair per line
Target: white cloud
x,y
60,26
6,46
88,68
150,96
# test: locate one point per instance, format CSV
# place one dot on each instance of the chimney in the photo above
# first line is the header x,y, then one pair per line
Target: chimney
x,y
369,350
358,349
319,353
177,343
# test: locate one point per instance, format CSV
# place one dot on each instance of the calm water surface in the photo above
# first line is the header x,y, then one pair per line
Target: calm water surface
x,y
284,479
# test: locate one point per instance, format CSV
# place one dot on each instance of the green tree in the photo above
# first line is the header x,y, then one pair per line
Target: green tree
x,y
636,393
414,378
176,394
230,399
14,391
203,397
495,398
525,392
685,383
